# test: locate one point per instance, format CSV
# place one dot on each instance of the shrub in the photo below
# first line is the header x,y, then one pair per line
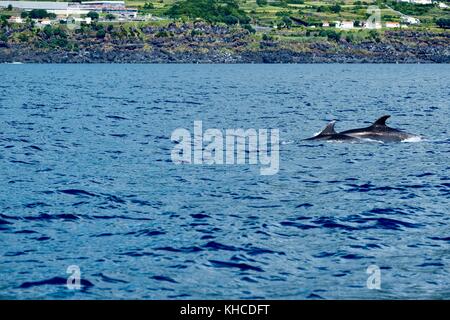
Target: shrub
x,y
249,28
350,37
324,9
196,33
373,34
110,17
100,34
267,37
23,37
443,23
59,32
59,42
330,34
148,6
230,20
48,31
162,34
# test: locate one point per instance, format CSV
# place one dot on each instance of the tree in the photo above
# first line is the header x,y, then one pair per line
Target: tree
x,y
38,14
100,34
110,17
10,7
93,15
336,8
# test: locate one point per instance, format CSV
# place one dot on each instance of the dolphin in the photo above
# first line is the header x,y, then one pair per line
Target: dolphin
x,y
330,134
379,131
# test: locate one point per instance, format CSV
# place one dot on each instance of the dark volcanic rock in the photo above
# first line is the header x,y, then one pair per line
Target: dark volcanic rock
x,y
203,43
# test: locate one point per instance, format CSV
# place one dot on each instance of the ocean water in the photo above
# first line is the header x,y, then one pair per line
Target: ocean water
x,y
87,180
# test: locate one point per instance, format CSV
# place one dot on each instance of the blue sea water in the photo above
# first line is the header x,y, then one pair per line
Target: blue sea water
x,y
87,180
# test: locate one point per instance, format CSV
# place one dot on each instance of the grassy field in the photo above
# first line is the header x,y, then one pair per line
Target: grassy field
x,y
272,13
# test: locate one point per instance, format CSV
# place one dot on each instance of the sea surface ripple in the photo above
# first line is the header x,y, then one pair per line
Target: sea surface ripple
x,y
87,180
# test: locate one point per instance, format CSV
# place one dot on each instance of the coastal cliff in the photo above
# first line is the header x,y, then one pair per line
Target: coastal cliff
x,y
206,43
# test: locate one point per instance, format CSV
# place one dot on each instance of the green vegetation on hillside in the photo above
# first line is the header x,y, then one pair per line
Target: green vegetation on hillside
x,y
283,22
226,11
410,8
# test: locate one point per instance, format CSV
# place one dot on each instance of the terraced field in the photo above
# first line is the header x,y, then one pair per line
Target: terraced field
x,y
273,12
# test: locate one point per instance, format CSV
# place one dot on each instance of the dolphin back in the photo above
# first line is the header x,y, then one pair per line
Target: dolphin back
x,y
327,131
381,122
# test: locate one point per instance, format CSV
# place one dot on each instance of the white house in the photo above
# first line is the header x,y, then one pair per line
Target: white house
x,y
15,20
74,8
53,7
410,20
392,24
421,1
58,8
372,25
325,24
417,1
344,24
442,5
43,22
86,20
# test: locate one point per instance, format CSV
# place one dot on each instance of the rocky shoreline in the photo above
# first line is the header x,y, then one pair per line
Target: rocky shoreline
x,y
203,43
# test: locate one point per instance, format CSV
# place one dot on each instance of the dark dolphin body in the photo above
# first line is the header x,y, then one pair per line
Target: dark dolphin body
x,y
330,134
379,131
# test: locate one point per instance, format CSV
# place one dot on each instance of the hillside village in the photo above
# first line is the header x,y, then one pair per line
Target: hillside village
x,y
335,15
219,31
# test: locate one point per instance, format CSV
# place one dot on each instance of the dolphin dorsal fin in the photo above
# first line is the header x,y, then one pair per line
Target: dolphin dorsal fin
x,y
329,129
381,122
